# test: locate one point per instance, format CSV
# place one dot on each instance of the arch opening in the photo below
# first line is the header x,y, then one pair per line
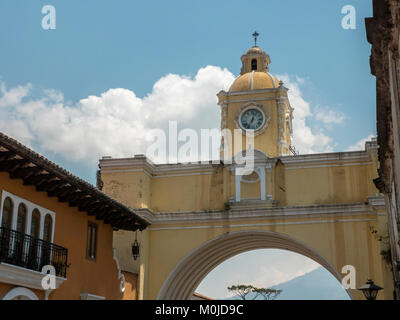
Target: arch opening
x,y
295,276
35,223
192,269
48,225
254,64
21,218
6,219
20,293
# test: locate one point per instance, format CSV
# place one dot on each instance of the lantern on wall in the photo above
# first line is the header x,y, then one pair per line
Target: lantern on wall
x,y
370,290
135,248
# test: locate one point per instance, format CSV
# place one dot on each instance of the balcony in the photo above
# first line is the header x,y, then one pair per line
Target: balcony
x,y
22,250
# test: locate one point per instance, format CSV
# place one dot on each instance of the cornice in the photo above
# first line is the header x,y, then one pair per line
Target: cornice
x,y
256,91
138,162
337,157
351,158
134,164
377,202
257,211
145,213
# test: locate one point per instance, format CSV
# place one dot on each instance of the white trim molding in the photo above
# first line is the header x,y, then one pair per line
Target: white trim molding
x,y
259,210
89,296
252,225
326,158
20,292
24,277
121,276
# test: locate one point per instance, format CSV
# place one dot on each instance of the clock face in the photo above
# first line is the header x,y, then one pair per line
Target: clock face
x,y
252,119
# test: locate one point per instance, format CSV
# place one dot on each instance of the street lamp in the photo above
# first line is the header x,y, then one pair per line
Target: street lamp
x,y
370,290
135,248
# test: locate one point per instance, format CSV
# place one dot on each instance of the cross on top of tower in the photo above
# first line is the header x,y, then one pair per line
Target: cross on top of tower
x,y
255,35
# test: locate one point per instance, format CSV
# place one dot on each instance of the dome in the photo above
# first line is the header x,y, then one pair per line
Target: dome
x,y
254,81
254,74
255,50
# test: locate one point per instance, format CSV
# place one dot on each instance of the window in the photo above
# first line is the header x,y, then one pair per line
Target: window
x,y
29,224
35,224
91,241
48,222
26,218
21,218
6,219
19,239
35,233
46,248
254,64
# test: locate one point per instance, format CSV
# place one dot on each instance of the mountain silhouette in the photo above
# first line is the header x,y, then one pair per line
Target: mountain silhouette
x,y
318,284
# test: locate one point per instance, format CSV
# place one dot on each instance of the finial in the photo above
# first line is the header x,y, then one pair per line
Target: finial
x,y
255,35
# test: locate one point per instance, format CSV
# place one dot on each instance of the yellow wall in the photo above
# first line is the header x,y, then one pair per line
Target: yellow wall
x,y
135,184
343,184
266,141
98,277
197,191
175,193
346,243
341,239
250,190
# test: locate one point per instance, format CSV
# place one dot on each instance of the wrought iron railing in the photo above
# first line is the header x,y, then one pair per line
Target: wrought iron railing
x,y
32,253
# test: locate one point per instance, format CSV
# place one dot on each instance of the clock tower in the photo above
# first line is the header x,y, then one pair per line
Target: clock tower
x,y
257,101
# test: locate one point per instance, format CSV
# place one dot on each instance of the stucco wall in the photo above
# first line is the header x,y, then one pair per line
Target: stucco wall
x,y
341,243
98,277
317,182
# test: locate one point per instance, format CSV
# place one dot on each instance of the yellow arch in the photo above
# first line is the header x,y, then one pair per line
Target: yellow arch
x,y
192,269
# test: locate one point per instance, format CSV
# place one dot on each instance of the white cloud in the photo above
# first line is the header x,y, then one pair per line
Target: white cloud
x,y
329,116
300,80
14,95
305,139
360,145
116,123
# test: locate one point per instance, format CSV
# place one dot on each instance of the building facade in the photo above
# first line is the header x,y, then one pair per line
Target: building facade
x,y
383,32
323,206
52,219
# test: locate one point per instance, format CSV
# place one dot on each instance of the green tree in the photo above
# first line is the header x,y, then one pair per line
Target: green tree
x,y
243,290
267,293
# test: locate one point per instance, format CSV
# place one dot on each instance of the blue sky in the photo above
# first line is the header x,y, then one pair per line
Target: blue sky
x,y
99,45
79,92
